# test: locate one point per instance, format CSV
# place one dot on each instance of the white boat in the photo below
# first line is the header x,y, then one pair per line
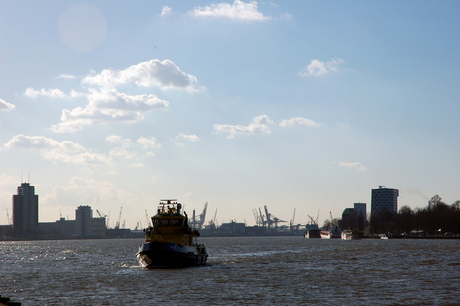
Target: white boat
x,y
350,235
333,233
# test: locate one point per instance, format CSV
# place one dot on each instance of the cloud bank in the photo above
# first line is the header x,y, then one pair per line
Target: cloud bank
x,y
106,104
239,11
65,151
261,125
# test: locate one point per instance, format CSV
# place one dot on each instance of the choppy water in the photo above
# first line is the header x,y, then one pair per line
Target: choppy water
x,y
252,271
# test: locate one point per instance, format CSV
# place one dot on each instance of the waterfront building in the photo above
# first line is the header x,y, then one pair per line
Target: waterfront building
x,y
384,199
25,212
360,209
83,221
99,228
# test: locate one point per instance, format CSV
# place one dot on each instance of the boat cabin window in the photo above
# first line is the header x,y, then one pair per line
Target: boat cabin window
x,y
176,222
166,222
156,222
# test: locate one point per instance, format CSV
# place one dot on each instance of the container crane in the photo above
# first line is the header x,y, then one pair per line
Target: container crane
x,y
292,221
101,215
117,225
268,215
262,219
8,217
214,220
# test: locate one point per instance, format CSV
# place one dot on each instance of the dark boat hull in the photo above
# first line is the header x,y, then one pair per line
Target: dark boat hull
x,y
153,254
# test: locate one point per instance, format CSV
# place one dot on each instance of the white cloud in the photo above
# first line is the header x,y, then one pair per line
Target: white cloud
x,y
75,94
259,125
122,153
65,151
343,125
127,143
239,10
52,93
108,105
317,67
164,74
65,76
355,165
166,11
286,16
114,138
5,106
148,142
298,121
137,165
81,191
192,138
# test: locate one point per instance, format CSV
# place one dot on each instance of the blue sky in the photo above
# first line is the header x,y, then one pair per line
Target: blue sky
x,y
303,105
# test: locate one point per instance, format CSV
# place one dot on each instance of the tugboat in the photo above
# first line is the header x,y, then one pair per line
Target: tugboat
x,y
171,242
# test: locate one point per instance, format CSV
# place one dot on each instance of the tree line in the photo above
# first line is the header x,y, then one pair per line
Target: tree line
x,y
437,218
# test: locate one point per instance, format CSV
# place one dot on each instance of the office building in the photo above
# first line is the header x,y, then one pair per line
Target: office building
x,y
83,221
360,210
25,212
384,199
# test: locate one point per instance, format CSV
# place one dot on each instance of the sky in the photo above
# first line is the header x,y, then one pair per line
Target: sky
x,y
301,106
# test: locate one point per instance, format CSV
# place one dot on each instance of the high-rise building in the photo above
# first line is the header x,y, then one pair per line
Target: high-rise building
x,y
384,199
360,209
83,221
25,211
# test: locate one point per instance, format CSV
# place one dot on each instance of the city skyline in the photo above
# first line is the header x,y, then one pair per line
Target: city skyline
x,y
299,105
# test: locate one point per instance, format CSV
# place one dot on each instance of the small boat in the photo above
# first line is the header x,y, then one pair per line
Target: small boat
x,y
171,242
312,230
312,233
333,233
384,237
350,235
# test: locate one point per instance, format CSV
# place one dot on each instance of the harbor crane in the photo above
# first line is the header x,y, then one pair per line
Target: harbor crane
x,y
117,225
198,222
291,224
101,215
8,217
268,215
272,219
262,220
256,217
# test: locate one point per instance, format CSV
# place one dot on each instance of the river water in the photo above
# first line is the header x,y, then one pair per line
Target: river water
x,y
250,270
